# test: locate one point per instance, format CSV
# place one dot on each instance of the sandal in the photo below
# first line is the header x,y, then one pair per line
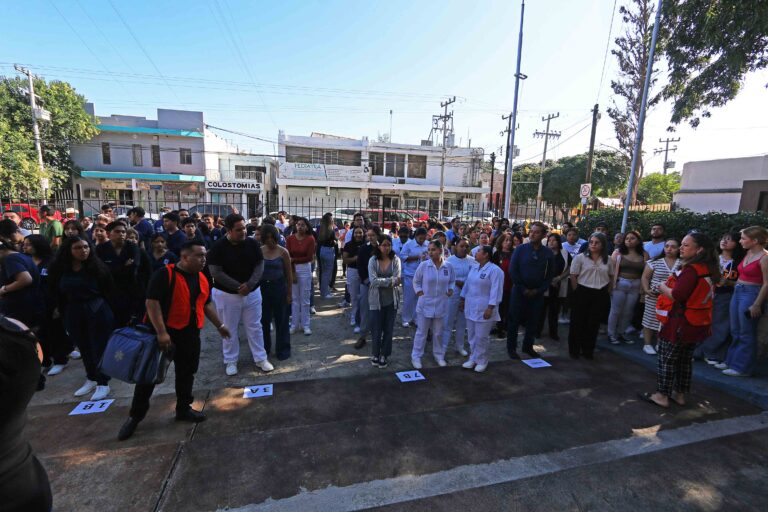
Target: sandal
x,y
647,397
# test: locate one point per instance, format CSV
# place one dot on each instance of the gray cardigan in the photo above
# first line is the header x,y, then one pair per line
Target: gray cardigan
x,y
382,282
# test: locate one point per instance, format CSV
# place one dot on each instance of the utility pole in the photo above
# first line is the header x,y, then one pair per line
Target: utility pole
x,y
546,134
511,144
507,130
590,158
35,129
390,125
666,150
493,167
444,118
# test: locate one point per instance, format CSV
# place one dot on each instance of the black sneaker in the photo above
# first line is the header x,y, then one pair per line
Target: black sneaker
x,y
375,361
514,355
531,352
190,415
127,429
613,340
360,343
383,362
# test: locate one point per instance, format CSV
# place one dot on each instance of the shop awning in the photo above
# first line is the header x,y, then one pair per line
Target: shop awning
x,y
149,131
148,176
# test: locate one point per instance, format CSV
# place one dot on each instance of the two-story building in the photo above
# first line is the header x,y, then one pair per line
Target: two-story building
x,y
174,160
383,174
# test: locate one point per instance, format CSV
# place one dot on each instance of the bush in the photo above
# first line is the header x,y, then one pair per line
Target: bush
x,y
678,223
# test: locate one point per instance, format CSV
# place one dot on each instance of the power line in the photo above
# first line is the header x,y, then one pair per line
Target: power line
x,y
103,35
605,56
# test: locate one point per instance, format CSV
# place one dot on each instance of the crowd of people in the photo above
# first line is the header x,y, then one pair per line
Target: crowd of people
x,y
457,285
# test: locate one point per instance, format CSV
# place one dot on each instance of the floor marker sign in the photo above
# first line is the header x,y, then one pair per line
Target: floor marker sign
x,y
410,376
536,363
91,407
257,391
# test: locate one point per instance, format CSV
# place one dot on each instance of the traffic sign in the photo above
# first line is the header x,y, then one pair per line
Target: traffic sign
x,y
585,190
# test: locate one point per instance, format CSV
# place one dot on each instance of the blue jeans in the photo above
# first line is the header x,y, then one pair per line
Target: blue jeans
x,y
382,324
716,346
273,306
526,310
327,260
742,355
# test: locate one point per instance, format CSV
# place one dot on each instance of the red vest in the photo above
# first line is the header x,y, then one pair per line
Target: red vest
x,y
698,307
179,311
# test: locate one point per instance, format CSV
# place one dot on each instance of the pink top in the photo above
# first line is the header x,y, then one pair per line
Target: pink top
x,y
751,273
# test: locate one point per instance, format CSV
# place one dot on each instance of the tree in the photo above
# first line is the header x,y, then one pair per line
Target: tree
x,y
525,179
632,53
709,47
610,172
70,124
658,188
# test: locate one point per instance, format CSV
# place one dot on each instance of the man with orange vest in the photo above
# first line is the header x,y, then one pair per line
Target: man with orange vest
x,y
178,299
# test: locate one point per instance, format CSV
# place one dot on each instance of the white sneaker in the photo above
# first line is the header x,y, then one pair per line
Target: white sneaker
x,y
56,369
733,373
312,310
265,365
648,349
101,393
307,331
86,388
352,323
416,362
75,354
563,320
441,362
294,330
356,330
231,369
468,365
462,352
721,366
406,324
481,368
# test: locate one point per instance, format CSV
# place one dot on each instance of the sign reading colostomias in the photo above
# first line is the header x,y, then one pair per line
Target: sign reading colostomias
x,y
410,376
91,407
257,391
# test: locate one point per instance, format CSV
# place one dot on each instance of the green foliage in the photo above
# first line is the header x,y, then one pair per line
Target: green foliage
x,y
69,124
709,47
610,171
678,223
658,188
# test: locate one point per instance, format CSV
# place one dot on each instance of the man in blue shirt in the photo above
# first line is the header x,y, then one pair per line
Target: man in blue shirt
x,y
655,246
141,225
174,237
531,270
454,231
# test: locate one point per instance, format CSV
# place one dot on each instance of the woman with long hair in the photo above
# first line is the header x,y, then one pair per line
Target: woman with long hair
x,y
629,259
502,257
73,228
591,277
433,284
349,257
656,272
714,349
748,303
301,247
159,255
384,271
276,292
480,298
53,337
685,311
326,254
82,287
558,288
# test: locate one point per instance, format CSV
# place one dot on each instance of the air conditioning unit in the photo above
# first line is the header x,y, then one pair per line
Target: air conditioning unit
x,y
401,181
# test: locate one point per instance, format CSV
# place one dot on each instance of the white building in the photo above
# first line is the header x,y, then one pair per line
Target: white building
x,y
171,161
388,175
729,185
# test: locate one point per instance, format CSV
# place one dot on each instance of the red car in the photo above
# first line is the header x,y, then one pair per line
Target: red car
x,y
419,215
30,216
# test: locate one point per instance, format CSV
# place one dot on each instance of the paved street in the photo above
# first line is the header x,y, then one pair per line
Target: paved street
x,y
340,435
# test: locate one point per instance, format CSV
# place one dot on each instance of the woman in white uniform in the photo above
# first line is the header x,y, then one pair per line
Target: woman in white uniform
x,y
480,298
433,283
461,264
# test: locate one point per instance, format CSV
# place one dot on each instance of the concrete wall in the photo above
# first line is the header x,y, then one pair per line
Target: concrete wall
x,y
716,185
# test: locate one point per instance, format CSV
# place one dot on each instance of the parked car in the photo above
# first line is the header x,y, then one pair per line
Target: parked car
x,y
473,215
418,215
30,216
122,211
219,210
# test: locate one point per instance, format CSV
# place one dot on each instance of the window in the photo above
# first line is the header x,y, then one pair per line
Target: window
x,y
325,156
137,160
185,156
296,155
417,166
106,157
376,164
92,193
250,172
155,155
395,167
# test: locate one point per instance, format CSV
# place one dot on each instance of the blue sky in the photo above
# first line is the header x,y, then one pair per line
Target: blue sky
x,y
340,66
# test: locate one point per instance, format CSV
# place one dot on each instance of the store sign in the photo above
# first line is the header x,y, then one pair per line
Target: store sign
x,y
300,171
116,185
233,186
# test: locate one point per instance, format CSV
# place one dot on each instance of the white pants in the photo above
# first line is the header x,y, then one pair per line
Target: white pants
x,y
232,308
409,300
301,291
479,340
420,339
454,319
353,286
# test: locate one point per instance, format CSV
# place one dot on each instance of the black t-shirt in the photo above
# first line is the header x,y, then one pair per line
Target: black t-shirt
x,y
351,249
237,260
22,304
123,275
159,289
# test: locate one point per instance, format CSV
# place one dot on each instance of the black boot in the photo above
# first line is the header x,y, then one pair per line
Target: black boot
x,y
190,415
127,429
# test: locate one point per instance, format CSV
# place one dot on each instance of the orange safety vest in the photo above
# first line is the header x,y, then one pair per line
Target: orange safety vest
x,y
698,307
179,311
